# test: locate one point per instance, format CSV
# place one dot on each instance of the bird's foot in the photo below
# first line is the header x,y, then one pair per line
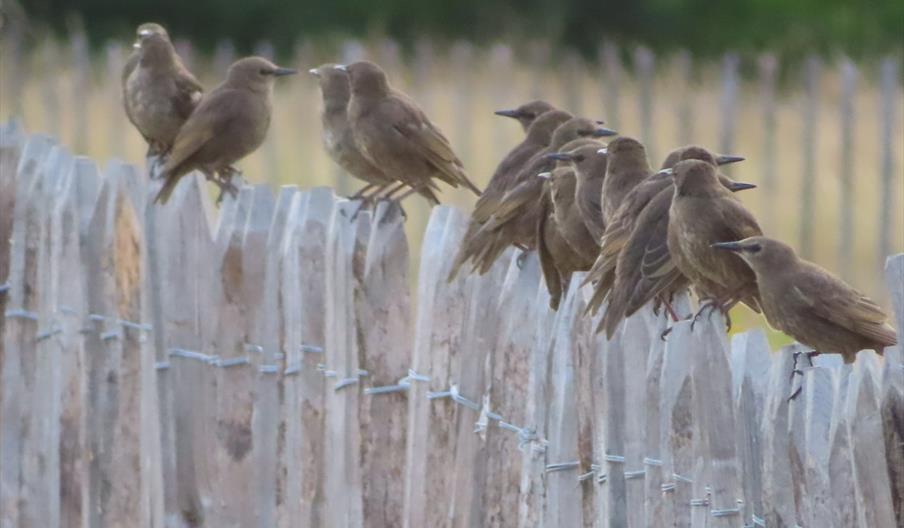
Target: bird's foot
x,y
665,333
226,186
707,307
794,370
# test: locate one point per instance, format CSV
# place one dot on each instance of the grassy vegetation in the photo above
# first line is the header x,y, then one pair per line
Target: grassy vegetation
x,y
461,87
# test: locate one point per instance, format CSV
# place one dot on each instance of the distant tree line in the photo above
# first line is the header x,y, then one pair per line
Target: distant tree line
x,y
861,28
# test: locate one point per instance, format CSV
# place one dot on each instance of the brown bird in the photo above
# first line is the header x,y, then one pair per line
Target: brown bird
x,y
590,171
158,91
704,212
394,134
558,260
337,134
809,303
626,167
515,220
565,197
538,137
527,113
229,123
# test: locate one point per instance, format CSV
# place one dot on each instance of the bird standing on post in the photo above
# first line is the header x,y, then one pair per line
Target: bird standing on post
x,y
229,123
158,91
704,212
337,134
394,134
810,304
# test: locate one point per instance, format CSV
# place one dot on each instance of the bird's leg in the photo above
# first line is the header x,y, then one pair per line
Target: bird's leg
x,y
223,180
360,195
794,370
391,191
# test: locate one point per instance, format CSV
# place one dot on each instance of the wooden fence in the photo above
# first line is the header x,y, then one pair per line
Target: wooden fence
x,y
267,365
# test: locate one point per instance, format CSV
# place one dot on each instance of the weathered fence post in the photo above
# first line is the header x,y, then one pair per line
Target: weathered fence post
x,y
383,315
644,69
563,490
889,123
677,426
346,247
812,74
893,388
611,65
439,319
113,270
183,256
20,327
728,102
507,386
778,501
768,72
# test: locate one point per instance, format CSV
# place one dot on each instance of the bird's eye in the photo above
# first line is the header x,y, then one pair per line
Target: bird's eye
x,y
755,248
264,71
578,158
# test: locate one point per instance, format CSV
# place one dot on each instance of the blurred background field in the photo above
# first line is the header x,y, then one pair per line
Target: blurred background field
x,y
819,121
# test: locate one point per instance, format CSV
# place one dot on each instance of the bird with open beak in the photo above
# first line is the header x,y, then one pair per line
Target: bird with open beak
x,y
395,135
158,91
702,213
811,304
229,123
337,136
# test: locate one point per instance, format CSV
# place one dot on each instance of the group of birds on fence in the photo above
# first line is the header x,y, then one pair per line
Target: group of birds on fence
x,y
641,235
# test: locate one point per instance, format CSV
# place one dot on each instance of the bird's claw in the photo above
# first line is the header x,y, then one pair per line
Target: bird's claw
x,y
665,333
795,370
710,305
521,260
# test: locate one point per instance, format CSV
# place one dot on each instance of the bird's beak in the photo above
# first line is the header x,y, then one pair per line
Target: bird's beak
x,y
145,33
725,159
544,175
514,114
728,246
280,72
603,151
136,44
740,186
603,132
315,72
341,67
670,171
558,156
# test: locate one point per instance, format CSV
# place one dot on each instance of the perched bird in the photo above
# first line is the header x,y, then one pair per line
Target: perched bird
x,y
702,213
809,303
539,135
566,197
394,134
527,113
590,172
158,91
337,134
230,122
626,166
515,219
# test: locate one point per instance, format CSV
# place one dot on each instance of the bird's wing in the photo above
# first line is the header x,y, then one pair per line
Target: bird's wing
x,y
200,128
430,143
129,67
657,269
547,262
835,301
189,92
517,200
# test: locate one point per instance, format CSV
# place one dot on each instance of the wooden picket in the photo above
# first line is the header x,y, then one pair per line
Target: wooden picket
x,y
179,366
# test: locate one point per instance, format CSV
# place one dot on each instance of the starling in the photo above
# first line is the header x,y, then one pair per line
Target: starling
x,y
538,137
229,123
337,134
702,213
811,304
396,136
527,113
626,167
515,219
558,260
590,172
565,198
158,91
